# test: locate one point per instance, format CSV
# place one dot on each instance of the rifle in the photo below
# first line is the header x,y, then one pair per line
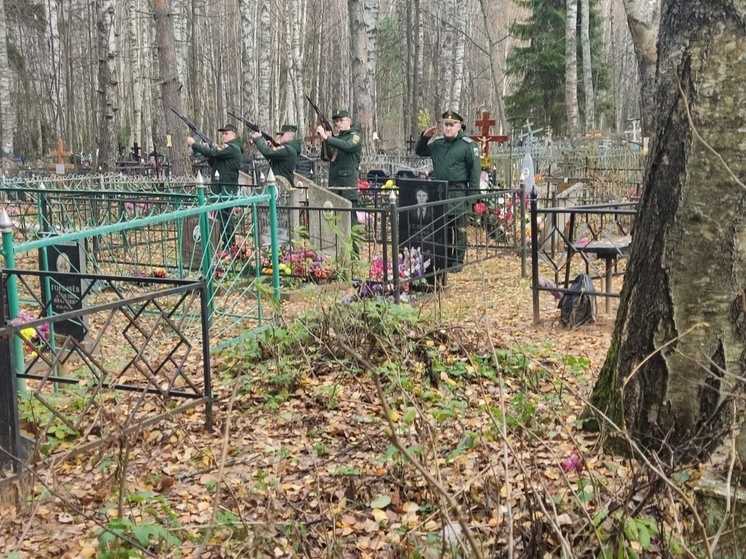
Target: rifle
x,y
251,126
322,118
193,127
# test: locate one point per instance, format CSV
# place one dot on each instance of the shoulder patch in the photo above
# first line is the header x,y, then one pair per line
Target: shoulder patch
x,y
477,152
355,138
467,139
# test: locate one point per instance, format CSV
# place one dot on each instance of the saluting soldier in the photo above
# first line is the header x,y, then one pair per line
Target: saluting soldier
x,y
282,158
343,152
456,160
225,162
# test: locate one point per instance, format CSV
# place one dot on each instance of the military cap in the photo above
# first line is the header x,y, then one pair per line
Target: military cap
x,y
341,113
288,128
227,128
450,116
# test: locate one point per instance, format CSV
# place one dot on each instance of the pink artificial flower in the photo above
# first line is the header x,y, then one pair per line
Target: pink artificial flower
x,y
573,463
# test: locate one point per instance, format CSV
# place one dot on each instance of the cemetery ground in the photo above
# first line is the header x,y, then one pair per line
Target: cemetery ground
x,y
479,449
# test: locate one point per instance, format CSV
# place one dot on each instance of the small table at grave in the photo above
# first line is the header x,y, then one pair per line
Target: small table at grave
x,y
609,250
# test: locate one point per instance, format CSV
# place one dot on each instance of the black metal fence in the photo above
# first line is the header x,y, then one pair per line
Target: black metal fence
x,y
89,374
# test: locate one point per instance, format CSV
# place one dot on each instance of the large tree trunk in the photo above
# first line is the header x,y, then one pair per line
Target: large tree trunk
x,y
170,87
679,347
363,18
571,68
643,18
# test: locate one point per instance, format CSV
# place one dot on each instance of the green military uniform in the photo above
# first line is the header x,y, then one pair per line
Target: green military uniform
x,y
343,152
456,160
225,162
282,159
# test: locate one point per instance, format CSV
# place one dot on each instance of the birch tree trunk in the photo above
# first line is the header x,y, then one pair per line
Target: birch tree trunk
x,y
459,43
107,84
675,368
585,40
56,65
7,110
296,65
170,97
489,16
265,57
643,18
135,37
444,96
571,68
248,60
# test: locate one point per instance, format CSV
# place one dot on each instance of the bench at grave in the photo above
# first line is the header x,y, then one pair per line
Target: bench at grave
x,y
610,250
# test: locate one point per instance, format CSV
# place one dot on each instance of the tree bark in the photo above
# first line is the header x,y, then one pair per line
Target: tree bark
x,y
571,68
107,85
170,87
7,110
363,18
679,347
643,18
585,41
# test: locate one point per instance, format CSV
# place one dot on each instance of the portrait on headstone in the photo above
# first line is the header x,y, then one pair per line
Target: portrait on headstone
x,y
422,219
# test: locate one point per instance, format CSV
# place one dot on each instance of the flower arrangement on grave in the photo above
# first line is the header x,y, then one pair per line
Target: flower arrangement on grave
x,y
32,337
496,215
412,267
301,262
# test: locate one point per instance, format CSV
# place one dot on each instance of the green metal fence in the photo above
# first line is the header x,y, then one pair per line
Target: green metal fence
x,y
130,226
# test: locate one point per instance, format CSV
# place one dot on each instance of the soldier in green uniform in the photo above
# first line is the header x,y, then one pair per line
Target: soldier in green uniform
x,y
225,162
343,152
282,158
456,160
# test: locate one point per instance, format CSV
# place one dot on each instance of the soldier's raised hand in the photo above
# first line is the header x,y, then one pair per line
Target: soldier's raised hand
x,y
429,132
321,132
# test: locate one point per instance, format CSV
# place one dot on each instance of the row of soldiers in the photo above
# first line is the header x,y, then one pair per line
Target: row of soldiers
x,y
455,156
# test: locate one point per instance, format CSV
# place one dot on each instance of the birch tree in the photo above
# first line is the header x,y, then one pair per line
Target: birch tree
x,y
643,18
571,68
585,42
7,110
107,84
264,61
672,377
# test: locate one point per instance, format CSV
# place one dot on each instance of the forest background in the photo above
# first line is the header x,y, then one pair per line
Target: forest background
x,y
102,75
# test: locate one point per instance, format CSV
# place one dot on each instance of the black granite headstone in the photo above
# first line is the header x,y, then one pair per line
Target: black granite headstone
x,y
66,292
424,227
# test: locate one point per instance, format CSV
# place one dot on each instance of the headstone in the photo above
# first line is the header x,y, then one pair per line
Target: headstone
x,y
288,216
328,229
191,241
305,166
66,293
424,228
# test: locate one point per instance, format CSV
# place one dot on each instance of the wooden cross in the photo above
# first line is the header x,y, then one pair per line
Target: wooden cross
x,y
59,155
485,137
410,143
136,152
